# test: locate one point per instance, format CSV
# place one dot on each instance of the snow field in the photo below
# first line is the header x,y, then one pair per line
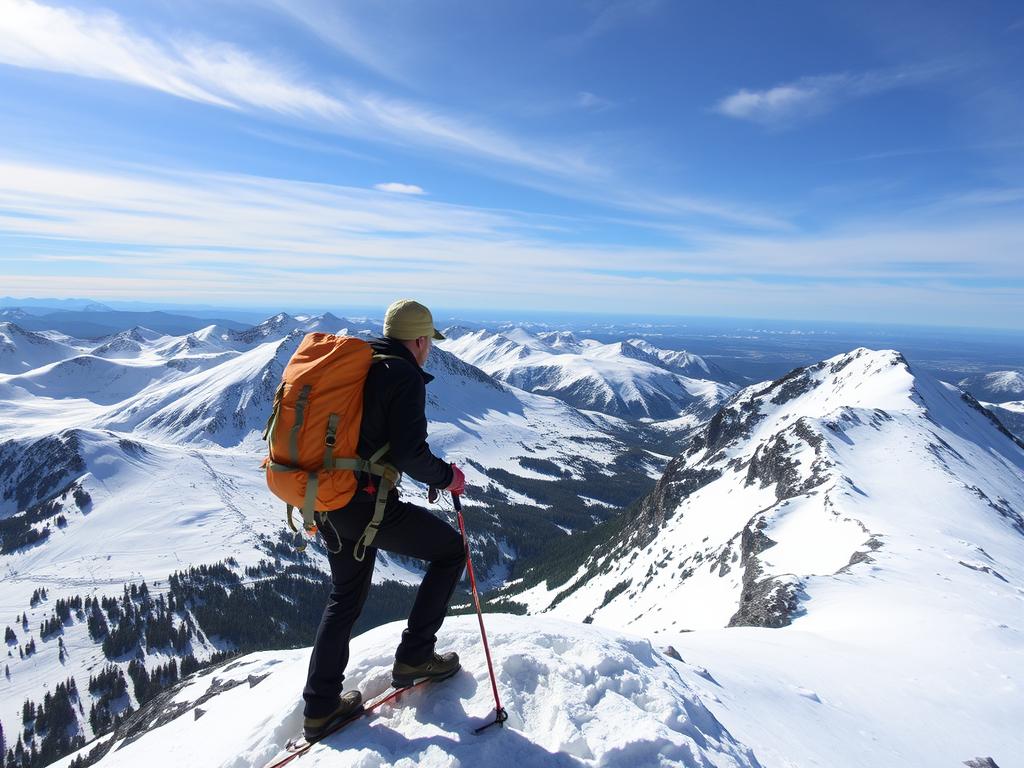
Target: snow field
x,y
576,696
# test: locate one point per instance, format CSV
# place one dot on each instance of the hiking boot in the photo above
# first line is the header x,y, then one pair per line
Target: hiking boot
x,y
437,667
350,705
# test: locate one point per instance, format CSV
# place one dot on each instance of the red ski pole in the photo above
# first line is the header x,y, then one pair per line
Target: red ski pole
x,y
500,715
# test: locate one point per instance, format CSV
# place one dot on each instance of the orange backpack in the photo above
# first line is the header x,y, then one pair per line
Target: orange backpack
x,y
313,433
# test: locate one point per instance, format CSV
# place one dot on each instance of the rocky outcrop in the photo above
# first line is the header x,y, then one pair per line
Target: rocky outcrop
x,y
33,472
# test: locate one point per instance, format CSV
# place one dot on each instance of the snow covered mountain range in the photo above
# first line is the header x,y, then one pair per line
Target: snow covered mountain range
x,y
628,378
998,386
853,515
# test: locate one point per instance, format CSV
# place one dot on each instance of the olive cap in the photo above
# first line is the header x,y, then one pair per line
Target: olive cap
x,y
406,320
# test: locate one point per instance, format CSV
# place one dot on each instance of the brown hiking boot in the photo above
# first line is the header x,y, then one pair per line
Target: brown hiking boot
x,y
350,705
437,667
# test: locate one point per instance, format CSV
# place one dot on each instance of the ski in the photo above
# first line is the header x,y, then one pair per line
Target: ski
x,y
299,746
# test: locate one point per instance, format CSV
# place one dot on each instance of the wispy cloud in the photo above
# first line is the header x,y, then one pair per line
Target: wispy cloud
x,y
402,189
807,97
150,233
101,45
352,29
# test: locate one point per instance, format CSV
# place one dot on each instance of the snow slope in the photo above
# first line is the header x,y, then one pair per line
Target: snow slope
x,y
621,378
476,417
575,695
22,350
857,525
795,482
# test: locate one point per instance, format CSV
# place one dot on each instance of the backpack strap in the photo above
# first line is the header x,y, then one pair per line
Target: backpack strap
x,y
390,477
272,419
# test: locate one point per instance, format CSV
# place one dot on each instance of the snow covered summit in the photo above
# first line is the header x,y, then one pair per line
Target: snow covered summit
x,y
801,485
843,550
575,695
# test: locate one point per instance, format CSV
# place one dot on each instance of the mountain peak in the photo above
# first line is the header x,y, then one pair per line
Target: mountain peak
x,y
827,454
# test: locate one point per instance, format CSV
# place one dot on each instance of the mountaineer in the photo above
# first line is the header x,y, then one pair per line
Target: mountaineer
x,y
352,500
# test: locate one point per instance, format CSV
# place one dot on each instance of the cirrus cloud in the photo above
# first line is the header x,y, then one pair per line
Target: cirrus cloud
x,y
807,97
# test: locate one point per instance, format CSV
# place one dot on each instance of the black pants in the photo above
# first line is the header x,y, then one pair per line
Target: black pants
x,y
406,530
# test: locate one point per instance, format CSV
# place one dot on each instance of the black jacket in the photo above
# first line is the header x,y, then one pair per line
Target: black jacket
x,y
394,411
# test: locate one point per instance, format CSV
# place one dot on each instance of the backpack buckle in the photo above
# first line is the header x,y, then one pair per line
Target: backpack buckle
x,y
330,440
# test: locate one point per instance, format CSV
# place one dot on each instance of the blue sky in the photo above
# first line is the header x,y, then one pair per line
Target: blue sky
x,y
798,160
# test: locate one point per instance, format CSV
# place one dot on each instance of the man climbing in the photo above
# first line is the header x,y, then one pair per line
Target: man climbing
x,y
394,401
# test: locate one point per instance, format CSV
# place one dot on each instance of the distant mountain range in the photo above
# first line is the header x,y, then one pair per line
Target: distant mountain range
x,y
629,379
96,323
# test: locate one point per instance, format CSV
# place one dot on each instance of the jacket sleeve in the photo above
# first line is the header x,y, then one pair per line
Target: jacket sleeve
x,y
407,433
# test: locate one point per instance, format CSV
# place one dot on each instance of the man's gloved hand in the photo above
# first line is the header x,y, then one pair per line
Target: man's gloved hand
x,y
458,484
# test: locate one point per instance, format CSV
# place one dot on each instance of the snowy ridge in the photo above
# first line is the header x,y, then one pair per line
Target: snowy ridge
x,y
126,344
685,362
621,379
771,494
476,417
575,696
858,526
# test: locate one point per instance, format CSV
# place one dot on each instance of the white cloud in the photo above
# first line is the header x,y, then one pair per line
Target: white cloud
x,y
352,27
103,46
147,233
776,104
810,96
402,189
